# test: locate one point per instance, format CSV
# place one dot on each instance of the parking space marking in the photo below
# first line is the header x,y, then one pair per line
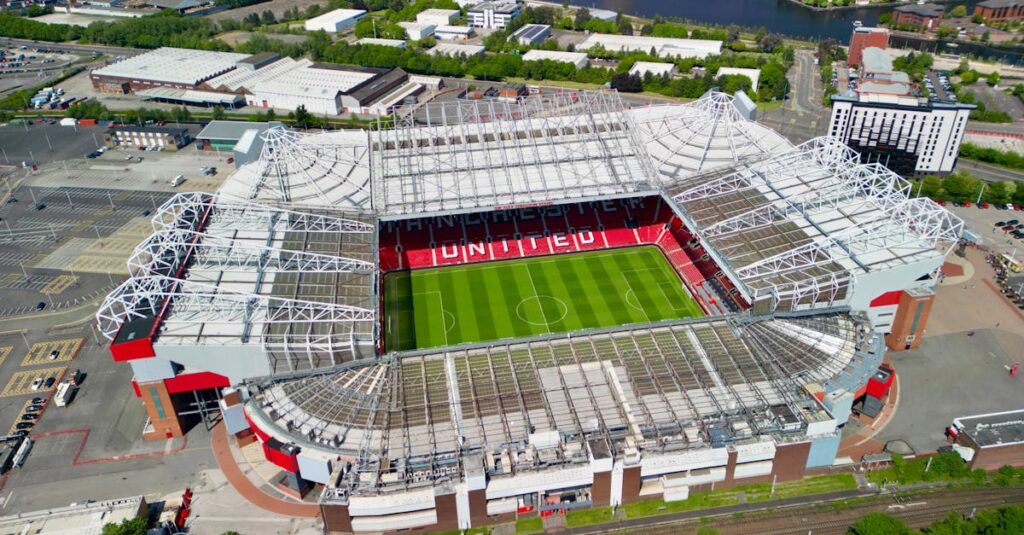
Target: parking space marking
x,y
40,353
4,351
59,284
100,264
20,383
17,419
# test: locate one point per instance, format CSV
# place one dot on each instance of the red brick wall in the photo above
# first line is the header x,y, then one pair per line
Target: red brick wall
x,y
862,40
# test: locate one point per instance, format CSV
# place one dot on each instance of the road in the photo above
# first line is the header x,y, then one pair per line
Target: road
x,y
802,117
990,173
74,47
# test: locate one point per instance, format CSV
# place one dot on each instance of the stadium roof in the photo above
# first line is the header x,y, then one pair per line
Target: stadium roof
x,y
173,65
467,154
319,170
667,388
794,228
297,283
702,136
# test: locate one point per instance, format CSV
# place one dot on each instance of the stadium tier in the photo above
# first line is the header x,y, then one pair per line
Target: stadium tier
x,y
485,310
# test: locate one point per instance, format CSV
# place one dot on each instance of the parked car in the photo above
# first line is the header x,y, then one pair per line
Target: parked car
x,y
38,382
40,305
38,401
1013,222
40,206
34,408
50,381
29,417
24,425
1000,224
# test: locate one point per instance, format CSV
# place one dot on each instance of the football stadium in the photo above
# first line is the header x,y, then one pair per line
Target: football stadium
x,y
487,310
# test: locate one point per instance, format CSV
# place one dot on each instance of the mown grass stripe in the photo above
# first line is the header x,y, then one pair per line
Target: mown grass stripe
x,y
485,299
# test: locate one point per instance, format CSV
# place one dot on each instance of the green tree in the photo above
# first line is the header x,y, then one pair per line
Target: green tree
x,y
760,35
581,18
878,524
957,12
129,526
993,78
218,113
771,42
732,33
945,31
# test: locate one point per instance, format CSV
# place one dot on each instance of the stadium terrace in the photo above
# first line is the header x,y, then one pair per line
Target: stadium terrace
x,y
488,310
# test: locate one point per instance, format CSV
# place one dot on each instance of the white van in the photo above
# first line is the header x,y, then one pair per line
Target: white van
x,y
176,181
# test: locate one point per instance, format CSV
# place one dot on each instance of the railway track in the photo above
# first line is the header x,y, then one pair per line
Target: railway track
x,y
916,510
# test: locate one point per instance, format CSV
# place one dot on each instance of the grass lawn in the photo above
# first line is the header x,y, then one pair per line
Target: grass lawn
x,y
586,517
525,526
515,298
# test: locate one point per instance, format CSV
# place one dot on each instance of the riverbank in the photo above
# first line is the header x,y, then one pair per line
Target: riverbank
x,y
850,7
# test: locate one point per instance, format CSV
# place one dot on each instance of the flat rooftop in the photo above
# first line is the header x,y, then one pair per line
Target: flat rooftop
x,y
173,65
995,429
87,519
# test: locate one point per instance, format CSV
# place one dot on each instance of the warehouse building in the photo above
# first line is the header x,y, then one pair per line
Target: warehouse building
x,y
579,59
455,50
753,74
642,68
865,37
665,47
453,33
222,136
327,89
416,31
437,17
397,43
164,67
335,21
532,34
169,138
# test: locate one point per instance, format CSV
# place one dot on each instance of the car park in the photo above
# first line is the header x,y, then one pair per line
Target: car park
x,y
38,382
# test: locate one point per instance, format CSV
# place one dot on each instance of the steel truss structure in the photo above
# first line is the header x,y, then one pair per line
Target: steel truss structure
x,y
324,170
707,134
664,388
470,154
821,217
234,269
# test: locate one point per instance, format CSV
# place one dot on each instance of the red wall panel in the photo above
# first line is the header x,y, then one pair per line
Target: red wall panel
x,y
187,382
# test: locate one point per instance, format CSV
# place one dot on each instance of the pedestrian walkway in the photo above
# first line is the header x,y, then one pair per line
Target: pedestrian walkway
x,y
862,442
229,466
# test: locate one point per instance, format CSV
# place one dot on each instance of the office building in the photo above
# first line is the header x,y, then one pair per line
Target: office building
x,y
493,14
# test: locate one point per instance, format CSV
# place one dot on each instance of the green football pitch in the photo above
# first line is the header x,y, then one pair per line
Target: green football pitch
x,y
513,298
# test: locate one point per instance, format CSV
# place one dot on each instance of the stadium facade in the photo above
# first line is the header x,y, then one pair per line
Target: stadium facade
x,y
263,301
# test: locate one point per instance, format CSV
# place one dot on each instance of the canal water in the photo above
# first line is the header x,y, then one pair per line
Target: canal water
x,y
787,18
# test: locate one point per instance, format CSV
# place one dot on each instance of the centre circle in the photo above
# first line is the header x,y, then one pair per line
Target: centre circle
x,y
542,310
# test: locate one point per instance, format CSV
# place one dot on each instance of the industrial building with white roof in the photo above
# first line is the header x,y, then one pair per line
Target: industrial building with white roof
x,y
266,80
664,47
810,256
